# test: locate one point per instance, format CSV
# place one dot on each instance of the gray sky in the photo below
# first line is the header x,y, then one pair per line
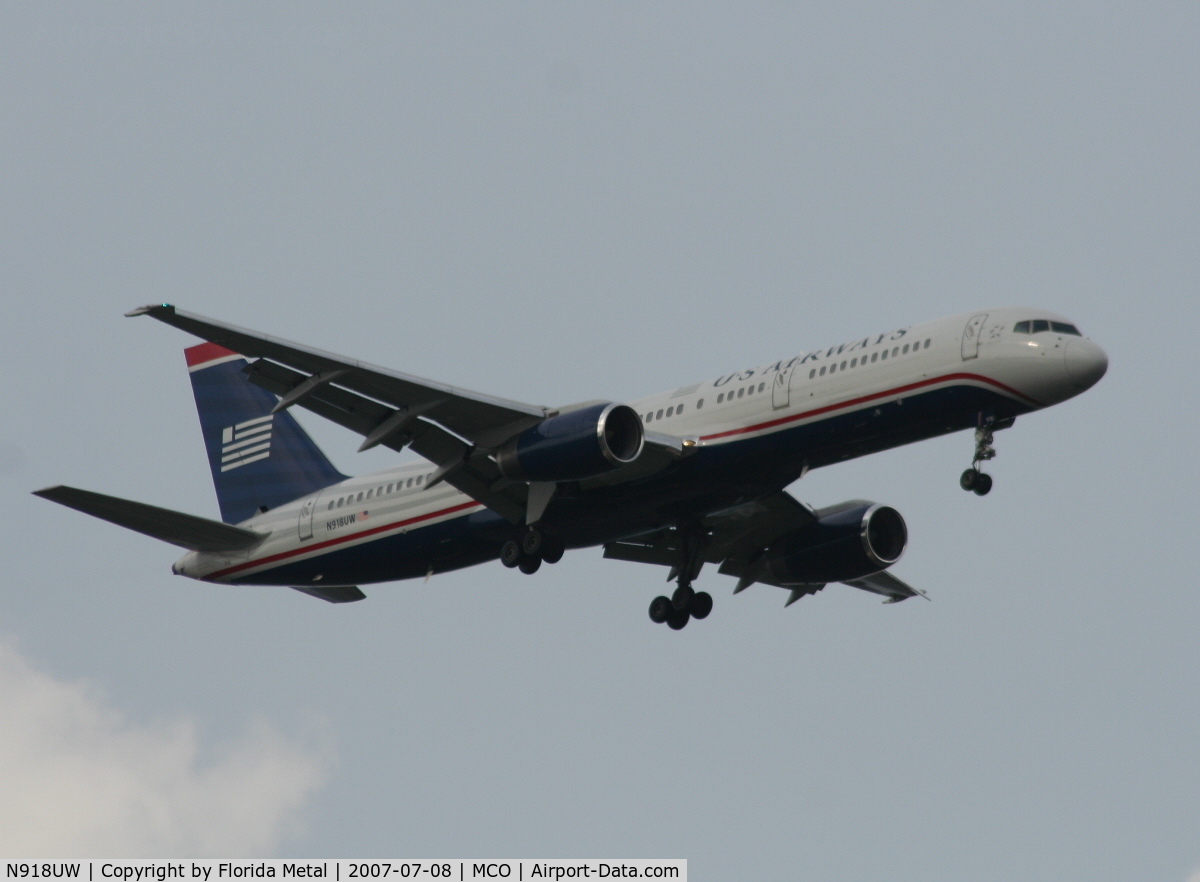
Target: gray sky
x,y
559,202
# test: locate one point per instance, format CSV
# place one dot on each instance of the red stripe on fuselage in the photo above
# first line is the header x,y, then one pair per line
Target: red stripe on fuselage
x,y
757,427
305,549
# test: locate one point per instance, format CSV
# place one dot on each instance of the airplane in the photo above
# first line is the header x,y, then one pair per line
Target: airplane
x,y
693,475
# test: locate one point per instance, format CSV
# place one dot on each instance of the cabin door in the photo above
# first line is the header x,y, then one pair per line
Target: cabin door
x,y
306,518
780,389
970,338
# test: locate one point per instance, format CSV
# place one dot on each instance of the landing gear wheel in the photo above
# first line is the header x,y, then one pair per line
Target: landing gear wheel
x,y
529,565
660,609
678,620
701,605
510,554
682,598
983,484
969,479
531,543
552,549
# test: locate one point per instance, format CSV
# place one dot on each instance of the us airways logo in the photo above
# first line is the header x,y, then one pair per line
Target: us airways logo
x,y
246,442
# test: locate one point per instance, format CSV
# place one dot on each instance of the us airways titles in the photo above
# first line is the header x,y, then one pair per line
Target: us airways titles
x,y
817,355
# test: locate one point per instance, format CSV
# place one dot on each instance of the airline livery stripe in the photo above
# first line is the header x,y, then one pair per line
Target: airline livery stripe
x,y
758,427
328,543
204,354
256,439
255,422
238,454
246,461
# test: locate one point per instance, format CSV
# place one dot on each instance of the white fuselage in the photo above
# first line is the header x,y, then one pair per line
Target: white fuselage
x,y
1034,369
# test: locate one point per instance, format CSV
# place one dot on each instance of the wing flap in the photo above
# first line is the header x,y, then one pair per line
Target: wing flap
x,y
886,584
332,593
177,528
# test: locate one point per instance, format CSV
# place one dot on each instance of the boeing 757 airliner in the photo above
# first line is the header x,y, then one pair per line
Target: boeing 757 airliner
x,y
685,477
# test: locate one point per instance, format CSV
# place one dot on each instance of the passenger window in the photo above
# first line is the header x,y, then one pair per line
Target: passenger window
x,y
341,500
822,372
854,362
883,355
389,489
670,411
658,415
812,373
750,391
330,508
741,392
874,357
1063,328
649,417
370,492
895,351
410,482
699,403
927,342
1040,325
762,386
420,478
720,398
842,366
678,409
1021,328
360,496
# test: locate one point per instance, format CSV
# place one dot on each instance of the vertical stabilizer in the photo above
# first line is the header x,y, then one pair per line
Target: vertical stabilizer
x,y
258,459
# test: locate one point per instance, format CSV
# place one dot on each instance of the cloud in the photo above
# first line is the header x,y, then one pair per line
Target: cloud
x,y
78,779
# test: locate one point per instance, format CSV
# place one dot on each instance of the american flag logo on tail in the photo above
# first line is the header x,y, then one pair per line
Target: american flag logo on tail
x,y
246,442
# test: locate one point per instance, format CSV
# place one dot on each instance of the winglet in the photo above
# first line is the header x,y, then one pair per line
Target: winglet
x,y
149,310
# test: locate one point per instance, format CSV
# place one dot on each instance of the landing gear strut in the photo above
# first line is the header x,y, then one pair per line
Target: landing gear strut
x,y
529,551
973,478
685,602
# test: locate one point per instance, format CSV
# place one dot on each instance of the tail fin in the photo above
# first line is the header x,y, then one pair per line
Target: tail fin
x,y
258,459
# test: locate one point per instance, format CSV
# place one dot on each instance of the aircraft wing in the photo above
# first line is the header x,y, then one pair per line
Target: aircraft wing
x,y
734,535
483,420
453,428
736,538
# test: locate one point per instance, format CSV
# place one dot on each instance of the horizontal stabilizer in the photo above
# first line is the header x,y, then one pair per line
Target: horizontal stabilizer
x,y
184,530
333,593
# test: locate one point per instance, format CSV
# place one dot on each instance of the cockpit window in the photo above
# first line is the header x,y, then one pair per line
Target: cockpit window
x,y
1035,326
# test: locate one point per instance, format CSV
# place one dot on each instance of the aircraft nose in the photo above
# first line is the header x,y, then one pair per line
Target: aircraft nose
x,y
1086,363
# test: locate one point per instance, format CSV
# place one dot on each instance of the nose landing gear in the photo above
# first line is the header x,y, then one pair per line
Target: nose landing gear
x,y
973,479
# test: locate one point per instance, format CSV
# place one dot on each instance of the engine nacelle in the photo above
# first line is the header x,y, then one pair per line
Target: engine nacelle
x,y
846,542
576,445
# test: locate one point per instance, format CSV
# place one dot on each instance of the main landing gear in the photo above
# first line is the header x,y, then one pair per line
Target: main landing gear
x,y
685,602
973,478
528,553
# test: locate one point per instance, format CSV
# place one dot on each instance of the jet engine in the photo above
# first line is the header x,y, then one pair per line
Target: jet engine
x,y
847,541
575,445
